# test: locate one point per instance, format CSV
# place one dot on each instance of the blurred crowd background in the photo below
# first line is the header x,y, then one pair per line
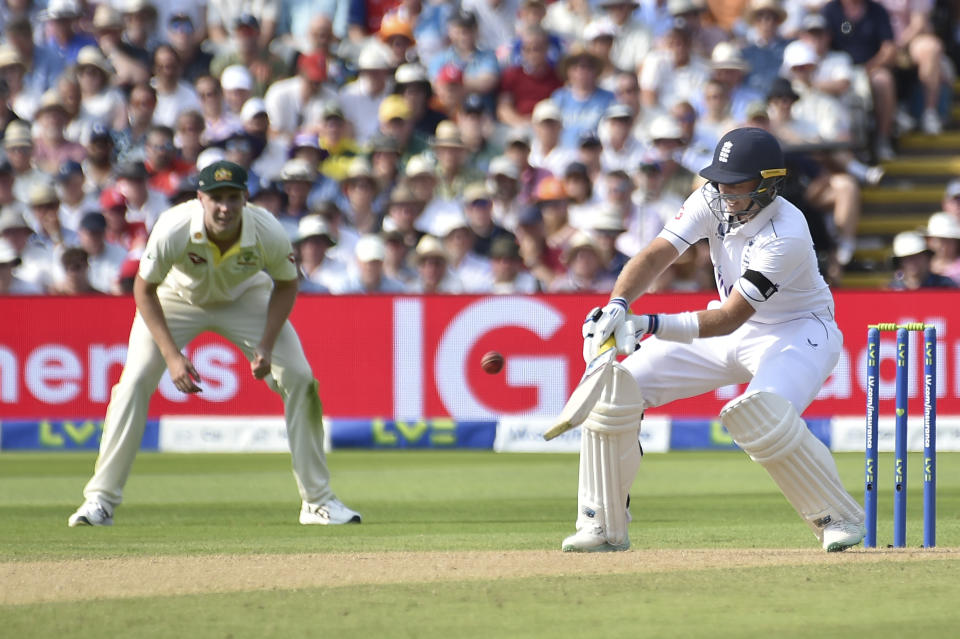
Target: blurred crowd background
x,y
480,146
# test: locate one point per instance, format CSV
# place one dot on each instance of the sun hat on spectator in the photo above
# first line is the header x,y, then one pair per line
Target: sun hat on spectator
x,y
401,194
430,246
394,107
813,22
93,222
111,198
798,54
376,56
304,140
419,165
42,192
236,76
782,88
297,170
665,127
518,135
107,18
447,135
618,112
92,56
952,190
550,189
909,243
9,56
252,108
332,109
606,218
600,28
683,7
502,165
50,101
12,218
450,74
394,25
209,156
68,169
944,225
370,248
17,134
727,55
475,191
136,6
313,66
410,73
8,254
448,222
62,10
756,6
546,110
358,169
314,225
579,242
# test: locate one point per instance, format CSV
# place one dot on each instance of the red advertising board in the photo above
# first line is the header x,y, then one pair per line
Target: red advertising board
x,y
411,357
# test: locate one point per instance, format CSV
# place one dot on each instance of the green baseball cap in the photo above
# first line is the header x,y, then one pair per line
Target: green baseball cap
x,y
222,174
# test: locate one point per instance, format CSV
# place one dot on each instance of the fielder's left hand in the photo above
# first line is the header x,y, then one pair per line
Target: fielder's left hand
x,y
260,366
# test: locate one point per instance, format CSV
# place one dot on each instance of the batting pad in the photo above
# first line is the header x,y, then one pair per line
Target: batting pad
x,y
610,455
768,428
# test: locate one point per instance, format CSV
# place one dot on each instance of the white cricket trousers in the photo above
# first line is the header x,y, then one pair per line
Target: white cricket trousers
x,y
242,322
792,360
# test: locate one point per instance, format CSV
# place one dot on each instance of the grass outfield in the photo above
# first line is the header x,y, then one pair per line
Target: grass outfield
x,y
456,544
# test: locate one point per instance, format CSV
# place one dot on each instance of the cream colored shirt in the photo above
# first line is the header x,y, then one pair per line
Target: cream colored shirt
x,y
181,258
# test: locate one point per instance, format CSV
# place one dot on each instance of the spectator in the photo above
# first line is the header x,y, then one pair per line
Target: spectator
x,y
397,34
44,206
504,180
433,272
633,39
627,92
174,94
509,275
951,198
20,98
221,14
318,272
764,50
545,150
452,173
218,123
730,69
181,34
553,201
237,85
165,168
862,29
74,279
40,63
396,263
297,177
144,204
336,143
103,258
496,21
943,239
130,235
540,259
476,132
716,118
581,101
411,82
18,144
385,167
532,80
395,119
361,191
912,259
581,197
653,205
63,36
74,201
620,148
35,264
132,138
403,210
99,102
585,271
667,140
10,283
481,73
672,72
449,91
130,64
518,151
688,15
369,277
472,270
361,99
568,18
98,168
530,15
478,209
139,25
605,226
309,26
50,149
270,152
244,49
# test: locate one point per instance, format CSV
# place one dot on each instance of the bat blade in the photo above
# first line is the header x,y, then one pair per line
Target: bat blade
x,y
587,392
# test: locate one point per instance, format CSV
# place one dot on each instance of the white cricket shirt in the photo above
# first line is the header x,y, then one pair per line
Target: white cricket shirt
x,y
180,257
776,244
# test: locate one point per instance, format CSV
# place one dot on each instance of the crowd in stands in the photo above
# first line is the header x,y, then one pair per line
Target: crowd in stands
x,y
479,146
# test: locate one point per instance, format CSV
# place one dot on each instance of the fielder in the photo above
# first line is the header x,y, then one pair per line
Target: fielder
x,y
773,329
220,264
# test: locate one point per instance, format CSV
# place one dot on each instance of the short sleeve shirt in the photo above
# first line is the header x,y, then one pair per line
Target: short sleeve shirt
x,y
861,38
179,255
769,260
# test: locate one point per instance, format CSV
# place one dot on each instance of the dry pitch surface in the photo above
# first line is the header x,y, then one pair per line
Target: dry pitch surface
x,y
91,579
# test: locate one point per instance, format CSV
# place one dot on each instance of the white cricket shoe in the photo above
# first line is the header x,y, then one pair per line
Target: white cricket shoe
x,y
91,513
841,535
591,539
930,122
331,512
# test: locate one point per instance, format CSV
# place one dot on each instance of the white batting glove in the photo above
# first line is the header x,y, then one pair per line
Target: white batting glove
x,y
610,320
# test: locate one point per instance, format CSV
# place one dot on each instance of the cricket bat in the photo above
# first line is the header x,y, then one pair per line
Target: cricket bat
x,y
587,392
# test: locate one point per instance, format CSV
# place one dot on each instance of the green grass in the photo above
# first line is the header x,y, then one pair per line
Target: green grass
x,y
208,504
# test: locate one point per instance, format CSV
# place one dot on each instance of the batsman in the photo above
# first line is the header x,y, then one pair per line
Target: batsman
x,y
215,263
773,329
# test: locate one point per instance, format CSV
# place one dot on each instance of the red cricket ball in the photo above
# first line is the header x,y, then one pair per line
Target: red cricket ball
x,y
492,362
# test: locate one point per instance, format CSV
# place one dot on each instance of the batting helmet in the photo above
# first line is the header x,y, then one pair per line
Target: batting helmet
x,y
743,155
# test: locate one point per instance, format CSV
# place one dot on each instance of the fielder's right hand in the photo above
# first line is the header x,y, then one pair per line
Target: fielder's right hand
x,y
183,375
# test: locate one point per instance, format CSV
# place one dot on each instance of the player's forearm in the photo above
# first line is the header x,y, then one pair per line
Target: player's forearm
x,y
643,269
278,310
148,304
